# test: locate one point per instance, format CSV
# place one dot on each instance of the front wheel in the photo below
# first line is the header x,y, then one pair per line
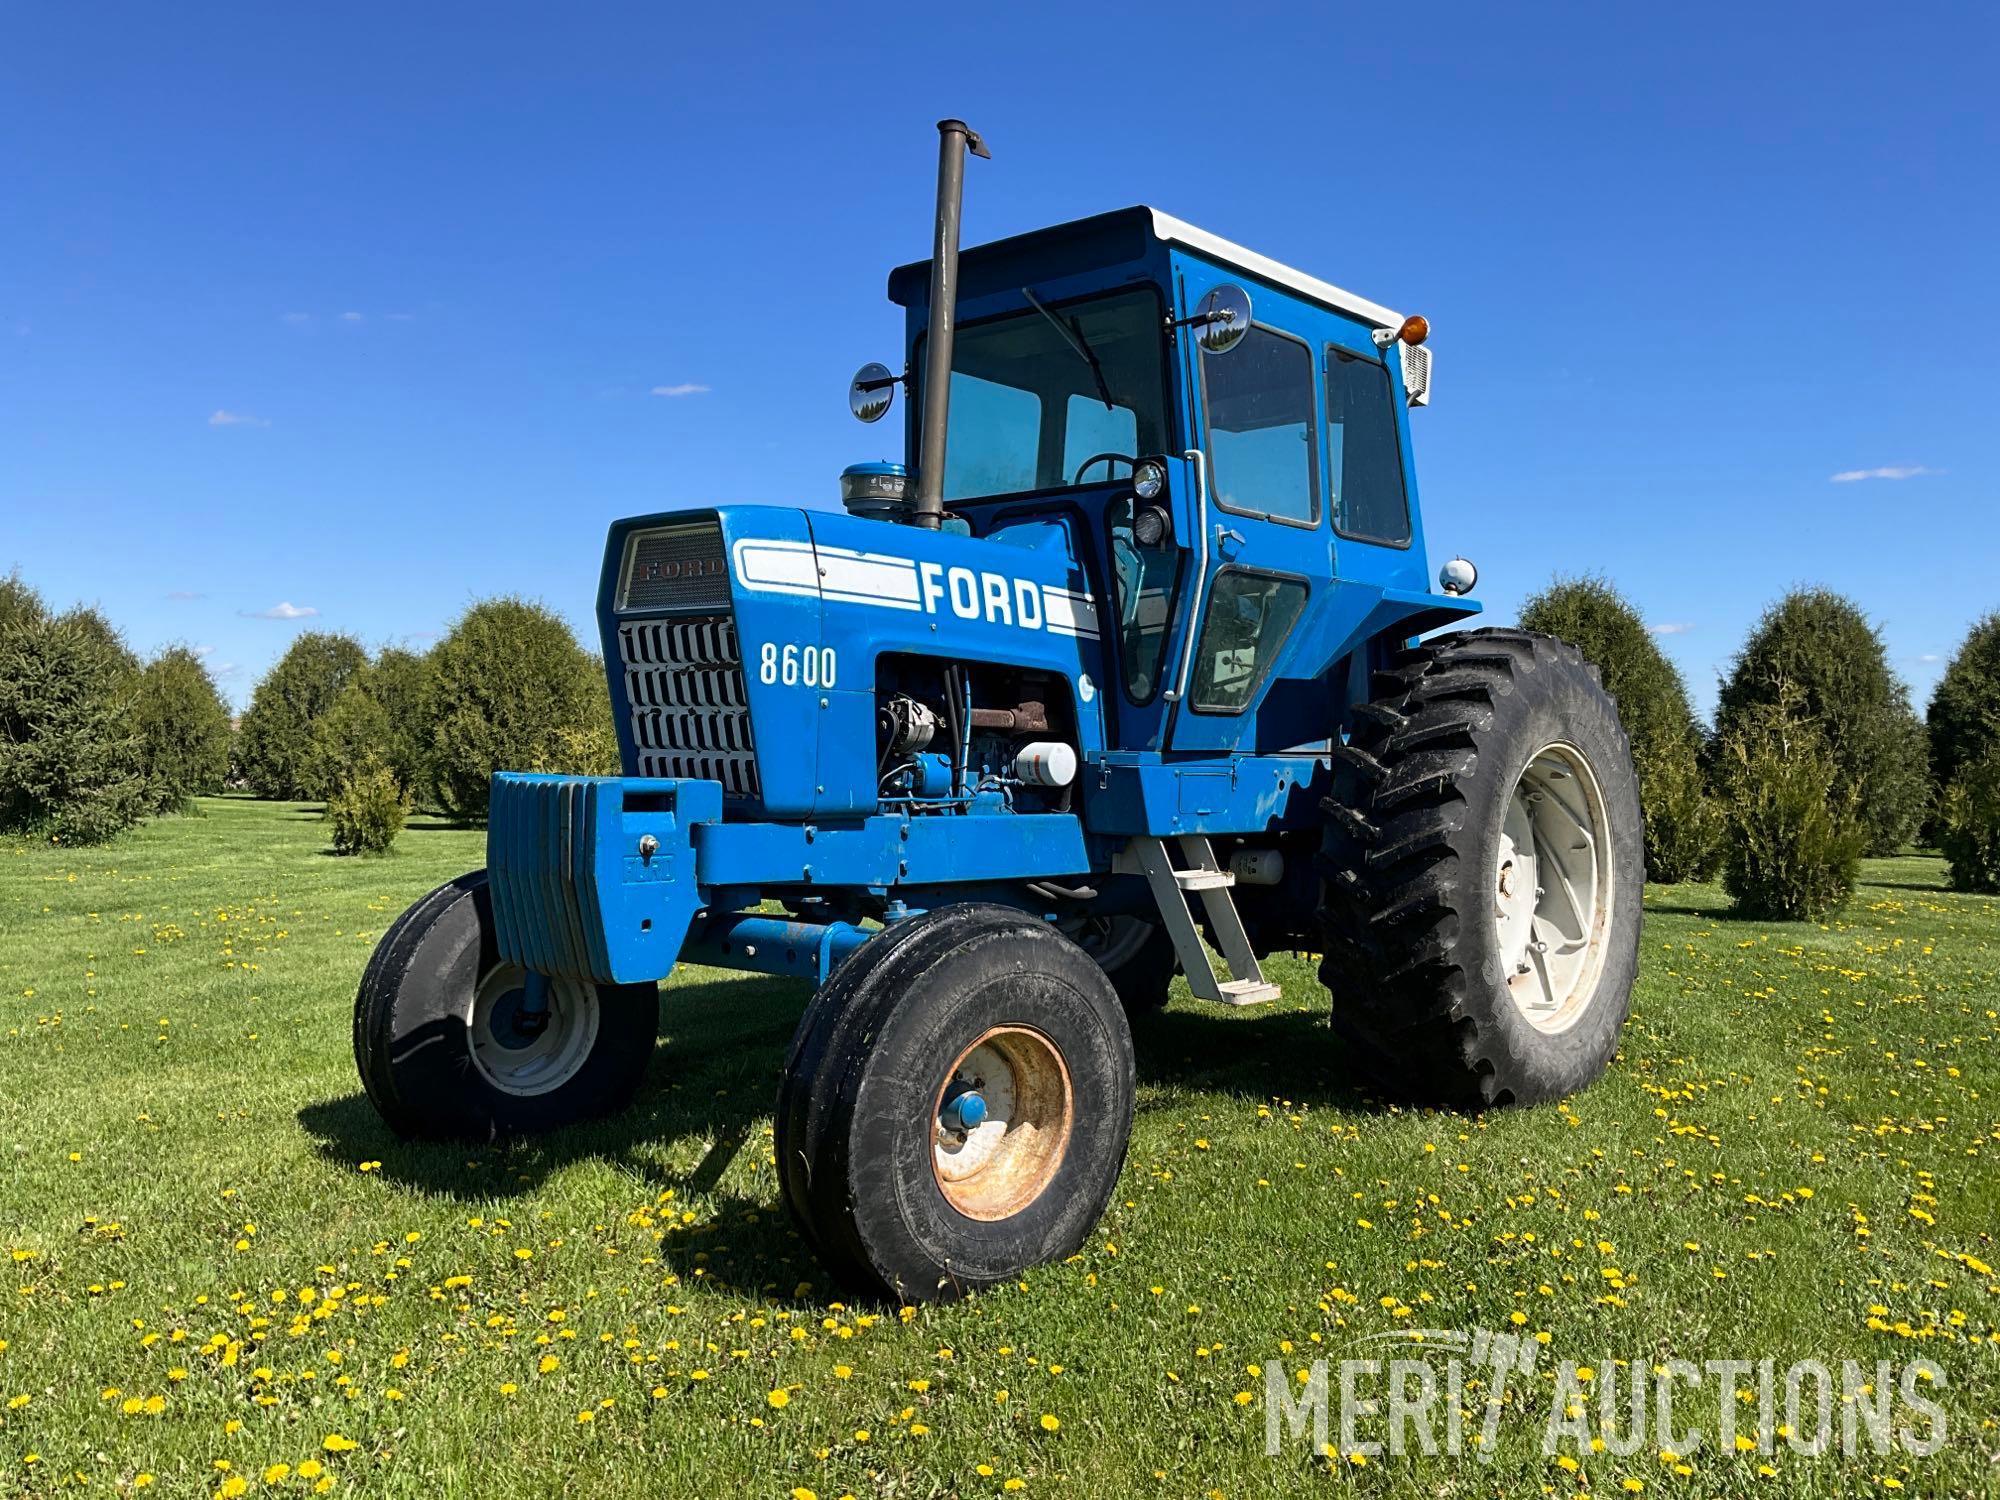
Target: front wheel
x,y
956,1104
1483,868
454,1043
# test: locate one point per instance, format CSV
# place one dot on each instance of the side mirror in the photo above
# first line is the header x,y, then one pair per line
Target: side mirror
x,y
1222,319
871,392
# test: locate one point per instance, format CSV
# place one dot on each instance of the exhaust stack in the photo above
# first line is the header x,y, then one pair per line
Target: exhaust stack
x,y
955,138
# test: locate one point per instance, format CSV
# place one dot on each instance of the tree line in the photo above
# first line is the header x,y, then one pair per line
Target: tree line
x,y
93,741
1815,758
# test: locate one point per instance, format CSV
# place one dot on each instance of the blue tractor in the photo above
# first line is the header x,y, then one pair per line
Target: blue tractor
x,y
1116,676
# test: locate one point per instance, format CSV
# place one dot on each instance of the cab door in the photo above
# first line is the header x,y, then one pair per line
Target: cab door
x,y
1265,527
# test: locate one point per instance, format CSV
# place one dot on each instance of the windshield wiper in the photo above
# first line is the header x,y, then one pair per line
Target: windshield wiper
x,y
1072,333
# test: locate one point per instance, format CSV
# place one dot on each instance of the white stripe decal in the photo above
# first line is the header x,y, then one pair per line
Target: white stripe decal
x,y
1069,612
776,567
841,575
868,578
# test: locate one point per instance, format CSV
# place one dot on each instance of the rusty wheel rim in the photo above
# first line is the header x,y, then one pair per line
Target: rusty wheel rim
x,y
994,1160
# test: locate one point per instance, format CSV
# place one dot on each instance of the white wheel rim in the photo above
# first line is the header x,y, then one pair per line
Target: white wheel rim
x,y
516,1058
1552,888
1003,1164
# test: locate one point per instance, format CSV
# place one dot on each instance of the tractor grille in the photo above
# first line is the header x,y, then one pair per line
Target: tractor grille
x,y
690,713
677,567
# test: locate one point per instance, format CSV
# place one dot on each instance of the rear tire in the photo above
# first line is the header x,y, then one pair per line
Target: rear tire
x,y
965,997
446,1051
1483,866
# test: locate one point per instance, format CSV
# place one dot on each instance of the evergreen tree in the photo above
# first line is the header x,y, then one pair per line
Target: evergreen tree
x,y
1817,650
276,752
183,726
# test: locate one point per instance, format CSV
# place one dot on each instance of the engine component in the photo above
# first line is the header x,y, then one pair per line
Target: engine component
x,y
933,775
879,491
1257,866
906,725
1046,763
1022,718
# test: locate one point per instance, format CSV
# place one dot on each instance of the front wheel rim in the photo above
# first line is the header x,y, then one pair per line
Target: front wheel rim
x,y
1007,1158
1552,885
516,1053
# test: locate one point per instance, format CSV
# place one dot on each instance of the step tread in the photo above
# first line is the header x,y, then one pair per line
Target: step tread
x,y
1248,991
1203,880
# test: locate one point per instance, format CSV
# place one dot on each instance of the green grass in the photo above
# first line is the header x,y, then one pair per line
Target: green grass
x,y
202,1209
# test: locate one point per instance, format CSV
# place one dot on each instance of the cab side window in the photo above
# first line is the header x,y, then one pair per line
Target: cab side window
x,y
1364,453
1249,616
1261,454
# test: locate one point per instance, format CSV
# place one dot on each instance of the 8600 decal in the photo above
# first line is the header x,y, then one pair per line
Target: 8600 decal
x,y
796,666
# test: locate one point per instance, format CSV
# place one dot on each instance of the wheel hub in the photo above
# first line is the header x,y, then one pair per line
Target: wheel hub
x,y
1552,888
1002,1122
530,1033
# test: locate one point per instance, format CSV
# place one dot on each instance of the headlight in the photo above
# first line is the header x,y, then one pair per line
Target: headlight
x,y
1458,577
1149,477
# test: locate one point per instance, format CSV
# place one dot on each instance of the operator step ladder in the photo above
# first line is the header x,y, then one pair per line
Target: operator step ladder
x,y
1201,874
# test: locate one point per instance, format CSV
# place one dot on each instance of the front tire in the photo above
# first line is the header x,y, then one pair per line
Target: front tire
x,y
1483,866
899,1188
450,1047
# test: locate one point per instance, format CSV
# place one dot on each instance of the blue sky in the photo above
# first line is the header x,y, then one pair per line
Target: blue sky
x,y
371,310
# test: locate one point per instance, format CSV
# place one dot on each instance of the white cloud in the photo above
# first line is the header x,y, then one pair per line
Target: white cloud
x,y
1888,471
1677,627
685,388
227,669
351,317
221,418
282,611
1930,656
202,650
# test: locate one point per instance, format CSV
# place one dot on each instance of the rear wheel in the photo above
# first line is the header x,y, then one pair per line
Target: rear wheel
x,y
956,1104
1483,868
452,1042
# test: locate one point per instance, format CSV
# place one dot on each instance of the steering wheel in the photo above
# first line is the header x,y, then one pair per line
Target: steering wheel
x,y
1107,459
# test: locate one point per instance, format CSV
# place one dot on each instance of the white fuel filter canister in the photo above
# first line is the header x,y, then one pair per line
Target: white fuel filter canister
x,y
1046,763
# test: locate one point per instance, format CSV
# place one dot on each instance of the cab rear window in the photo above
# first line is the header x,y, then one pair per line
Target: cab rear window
x,y
1364,451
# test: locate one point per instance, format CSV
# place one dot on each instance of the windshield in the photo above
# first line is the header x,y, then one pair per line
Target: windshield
x,y
1029,394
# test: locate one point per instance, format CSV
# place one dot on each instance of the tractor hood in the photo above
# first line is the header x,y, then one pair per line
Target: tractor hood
x,y
742,642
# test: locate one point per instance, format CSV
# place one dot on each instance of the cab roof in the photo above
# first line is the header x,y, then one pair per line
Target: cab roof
x,y
1124,234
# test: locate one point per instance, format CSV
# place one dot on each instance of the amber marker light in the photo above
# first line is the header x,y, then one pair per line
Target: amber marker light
x,y
1415,330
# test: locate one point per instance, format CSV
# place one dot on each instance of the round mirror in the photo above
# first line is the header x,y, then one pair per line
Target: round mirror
x,y
872,390
1223,319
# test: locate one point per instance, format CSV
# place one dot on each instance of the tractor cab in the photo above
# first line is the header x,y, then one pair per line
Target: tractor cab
x,y
1223,438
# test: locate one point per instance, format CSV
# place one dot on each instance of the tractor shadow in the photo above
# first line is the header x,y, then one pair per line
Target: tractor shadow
x,y
1291,1055
703,1108
713,1079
